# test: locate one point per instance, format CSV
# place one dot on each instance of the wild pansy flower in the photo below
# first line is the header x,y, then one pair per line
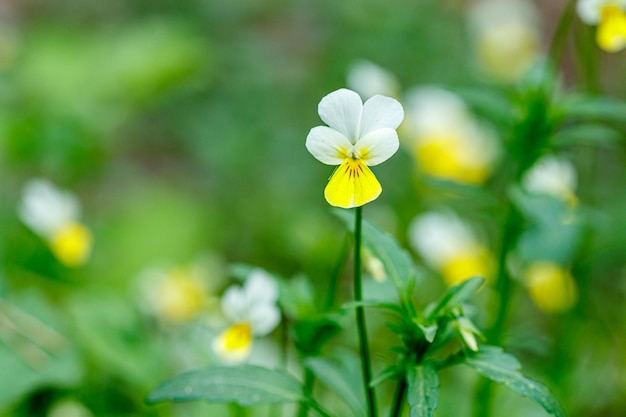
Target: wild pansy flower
x,y
445,139
610,17
54,215
252,311
369,79
505,35
177,294
449,246
552,176
551,286
357,136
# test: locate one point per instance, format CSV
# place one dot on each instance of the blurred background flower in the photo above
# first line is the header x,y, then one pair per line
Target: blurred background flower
x,y
446,141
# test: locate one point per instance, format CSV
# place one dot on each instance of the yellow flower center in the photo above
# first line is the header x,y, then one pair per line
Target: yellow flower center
x,y
551,287
352,184
180,297
235,343
71,244
611,34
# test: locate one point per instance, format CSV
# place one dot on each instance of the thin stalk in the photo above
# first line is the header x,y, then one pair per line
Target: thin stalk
x,y
309,380
398,398
557,45
360,317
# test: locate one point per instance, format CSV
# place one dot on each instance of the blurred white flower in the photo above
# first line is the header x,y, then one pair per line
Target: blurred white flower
x,y
551,286
369,79
252,311
54,215
449,246
505,34
610,17
552,176
446,140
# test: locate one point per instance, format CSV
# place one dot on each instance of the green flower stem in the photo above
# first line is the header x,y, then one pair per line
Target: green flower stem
x,y
360,317
309,381
399,398
557,45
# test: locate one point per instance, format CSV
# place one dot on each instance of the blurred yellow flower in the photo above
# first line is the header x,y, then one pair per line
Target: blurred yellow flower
x,y
357,136
53,215
450,247
445,139
252,310
179,294
505,36
610,17
551,287
71,244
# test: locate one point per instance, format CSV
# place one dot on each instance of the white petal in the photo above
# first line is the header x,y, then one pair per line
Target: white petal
x,y
328,145
261,288
378,146
342,110
439,237
379,112
264,318
234,304
368,79
45,209
589,10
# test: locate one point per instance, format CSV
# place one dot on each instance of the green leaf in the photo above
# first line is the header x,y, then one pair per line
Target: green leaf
x,y
342,377
587,134
493,363
584,107
423,390
455,295
245,385
312,333
390,372
398,263
429,331
33,351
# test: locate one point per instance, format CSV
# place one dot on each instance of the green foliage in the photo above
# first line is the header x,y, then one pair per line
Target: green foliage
x,y
423,390
398,263
34,349
503,368
342,377
244,384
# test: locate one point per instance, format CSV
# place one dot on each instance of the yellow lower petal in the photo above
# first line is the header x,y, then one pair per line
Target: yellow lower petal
x,y
71,244
474,262
551,287
235,343
180,297
352,184
611,34
439,157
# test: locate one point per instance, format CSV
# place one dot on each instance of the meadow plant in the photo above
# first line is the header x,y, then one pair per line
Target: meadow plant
x,y
469,218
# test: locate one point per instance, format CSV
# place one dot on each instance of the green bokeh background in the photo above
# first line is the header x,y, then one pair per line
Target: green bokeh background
x,y
181,126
